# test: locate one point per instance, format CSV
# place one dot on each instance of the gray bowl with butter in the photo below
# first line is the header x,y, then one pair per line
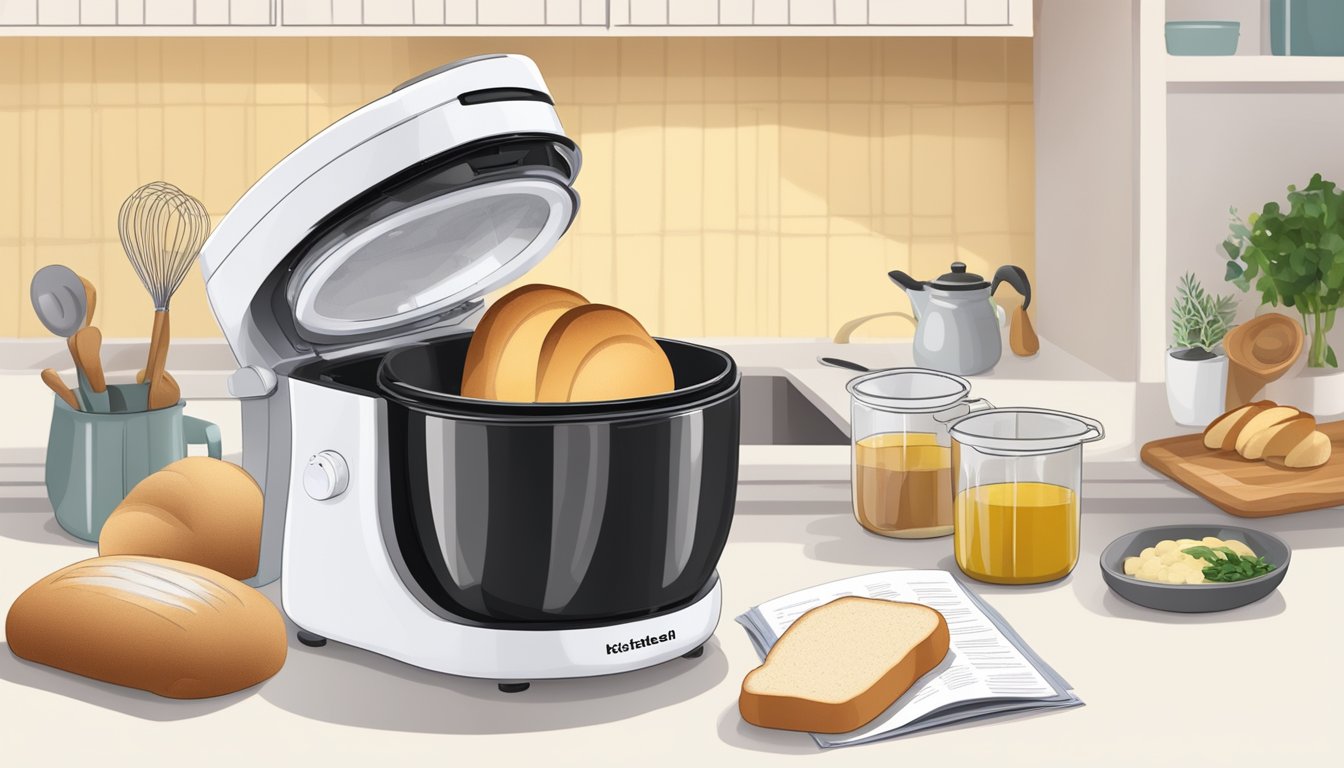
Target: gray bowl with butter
x,y
1193,598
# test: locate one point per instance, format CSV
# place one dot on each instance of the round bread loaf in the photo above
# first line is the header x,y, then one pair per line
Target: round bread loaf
x,y
501,361
198,510
175,629
596,352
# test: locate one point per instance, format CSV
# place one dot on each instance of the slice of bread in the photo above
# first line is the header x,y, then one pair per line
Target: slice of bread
x,y
501,361
1263,420
1221,435
1312,452
597,352
842,664
1278,439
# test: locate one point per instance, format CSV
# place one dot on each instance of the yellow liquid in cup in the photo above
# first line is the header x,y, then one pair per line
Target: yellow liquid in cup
x,y
1016,533
903,485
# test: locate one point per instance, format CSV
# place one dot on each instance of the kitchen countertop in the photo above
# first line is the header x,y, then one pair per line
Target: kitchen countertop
x,y
338,704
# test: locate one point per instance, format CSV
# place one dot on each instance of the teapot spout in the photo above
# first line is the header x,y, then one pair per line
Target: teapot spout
x,y
914,289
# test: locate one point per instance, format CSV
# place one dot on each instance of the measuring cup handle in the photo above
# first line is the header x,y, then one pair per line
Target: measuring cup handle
x,y
962,410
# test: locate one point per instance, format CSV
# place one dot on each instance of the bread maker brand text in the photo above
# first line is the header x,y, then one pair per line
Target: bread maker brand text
x,y
641,642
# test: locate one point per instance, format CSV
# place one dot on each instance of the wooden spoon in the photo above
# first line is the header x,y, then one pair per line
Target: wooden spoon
x,y
1258,352
86,350
140,378
53,380
86,347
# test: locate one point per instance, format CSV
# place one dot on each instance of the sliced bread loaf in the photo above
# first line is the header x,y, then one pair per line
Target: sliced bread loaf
x,y
841,664
1222,434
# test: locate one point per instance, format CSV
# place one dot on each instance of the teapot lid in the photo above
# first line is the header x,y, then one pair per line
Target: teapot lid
x,y
959,279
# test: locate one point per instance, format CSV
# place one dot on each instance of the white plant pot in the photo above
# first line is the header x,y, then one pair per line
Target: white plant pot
x,y
1196,389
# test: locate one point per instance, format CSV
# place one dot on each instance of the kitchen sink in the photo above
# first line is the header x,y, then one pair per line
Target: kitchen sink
x,y
776,412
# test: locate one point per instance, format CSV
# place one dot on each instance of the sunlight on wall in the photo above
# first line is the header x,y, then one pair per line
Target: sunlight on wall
x,y
731,187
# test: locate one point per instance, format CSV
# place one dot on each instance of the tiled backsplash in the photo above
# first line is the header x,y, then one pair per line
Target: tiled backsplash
x,y
730,186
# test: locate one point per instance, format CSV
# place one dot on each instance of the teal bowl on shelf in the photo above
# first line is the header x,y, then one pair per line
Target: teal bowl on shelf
x,y
1202,38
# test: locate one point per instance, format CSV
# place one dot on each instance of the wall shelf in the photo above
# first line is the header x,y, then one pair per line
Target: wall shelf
x,y
1255,69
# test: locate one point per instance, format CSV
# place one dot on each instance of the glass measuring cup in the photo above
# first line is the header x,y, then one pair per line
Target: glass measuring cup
x,y
901,449
1019,477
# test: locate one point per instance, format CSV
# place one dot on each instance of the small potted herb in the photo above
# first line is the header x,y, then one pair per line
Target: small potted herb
x,y
1196,367
1295,257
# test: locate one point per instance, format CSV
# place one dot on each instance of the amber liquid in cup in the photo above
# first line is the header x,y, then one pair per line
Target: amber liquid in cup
x,y
903,485
1017,533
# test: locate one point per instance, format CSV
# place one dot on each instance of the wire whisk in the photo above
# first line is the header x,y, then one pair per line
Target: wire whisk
x,y
162,230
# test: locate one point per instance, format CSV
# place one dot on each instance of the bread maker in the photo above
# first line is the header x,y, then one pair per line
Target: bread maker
x,y
506,541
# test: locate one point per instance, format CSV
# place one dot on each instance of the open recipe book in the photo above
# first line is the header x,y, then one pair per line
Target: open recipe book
x,y
988,670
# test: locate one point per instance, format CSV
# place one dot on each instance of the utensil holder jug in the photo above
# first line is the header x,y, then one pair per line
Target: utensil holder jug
x,y
95,459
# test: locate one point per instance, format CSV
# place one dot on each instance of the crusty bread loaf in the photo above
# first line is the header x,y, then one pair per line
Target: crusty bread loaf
x,y
1221,435
597,352
501,362
198,510
842,664
175,629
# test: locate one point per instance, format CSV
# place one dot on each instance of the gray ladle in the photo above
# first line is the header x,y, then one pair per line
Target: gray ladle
x,y
61,303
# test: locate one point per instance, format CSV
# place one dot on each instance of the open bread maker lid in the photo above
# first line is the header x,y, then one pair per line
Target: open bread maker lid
x,y
397,217
407,259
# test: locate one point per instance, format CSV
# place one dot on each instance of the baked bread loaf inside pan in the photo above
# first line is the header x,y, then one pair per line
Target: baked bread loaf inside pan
x,y
502,358
597,352
171,628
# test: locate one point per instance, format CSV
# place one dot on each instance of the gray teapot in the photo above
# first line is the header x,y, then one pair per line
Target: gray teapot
x,y
956,325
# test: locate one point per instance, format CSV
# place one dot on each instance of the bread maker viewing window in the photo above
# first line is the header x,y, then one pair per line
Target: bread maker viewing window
x,y
420,246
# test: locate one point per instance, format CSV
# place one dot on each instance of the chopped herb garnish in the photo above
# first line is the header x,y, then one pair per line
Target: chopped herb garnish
x,y
1233,567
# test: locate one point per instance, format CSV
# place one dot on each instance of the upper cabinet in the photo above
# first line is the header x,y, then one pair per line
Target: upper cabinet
x,y
132,17
874,17
518,17
540,15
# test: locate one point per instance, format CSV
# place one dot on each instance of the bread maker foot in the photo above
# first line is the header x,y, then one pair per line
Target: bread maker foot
x,y
514,687
311,640
694,654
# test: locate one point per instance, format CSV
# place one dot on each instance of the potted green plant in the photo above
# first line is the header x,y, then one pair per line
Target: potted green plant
x,y
1295,257
1196,367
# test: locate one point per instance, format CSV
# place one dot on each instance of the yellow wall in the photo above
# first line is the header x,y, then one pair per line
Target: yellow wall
x,y
730,186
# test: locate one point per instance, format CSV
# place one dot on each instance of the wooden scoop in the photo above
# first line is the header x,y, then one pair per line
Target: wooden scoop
x,y
1258,352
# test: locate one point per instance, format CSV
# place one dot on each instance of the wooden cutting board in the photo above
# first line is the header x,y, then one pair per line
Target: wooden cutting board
x,y
1250,488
